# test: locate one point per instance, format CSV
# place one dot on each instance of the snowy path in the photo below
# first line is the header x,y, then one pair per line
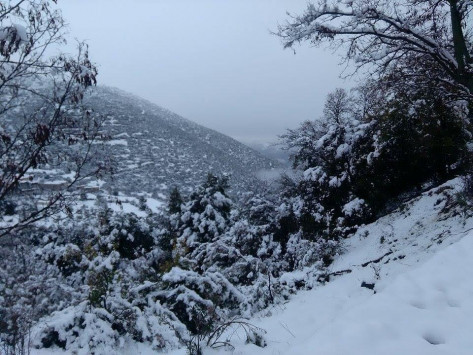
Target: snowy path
x,y
424,299
428,310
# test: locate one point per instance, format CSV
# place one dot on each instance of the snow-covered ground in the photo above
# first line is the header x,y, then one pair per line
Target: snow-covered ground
x,y
428,309
424,292
420,261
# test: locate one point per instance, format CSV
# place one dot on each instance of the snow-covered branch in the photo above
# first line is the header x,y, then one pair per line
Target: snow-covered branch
x,y
381,32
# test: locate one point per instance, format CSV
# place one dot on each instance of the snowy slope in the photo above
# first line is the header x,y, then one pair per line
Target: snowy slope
x,y
424,294
423,302
427,310
155,149
420,262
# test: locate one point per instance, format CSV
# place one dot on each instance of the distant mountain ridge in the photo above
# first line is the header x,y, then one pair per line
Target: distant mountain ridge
x,y
155,149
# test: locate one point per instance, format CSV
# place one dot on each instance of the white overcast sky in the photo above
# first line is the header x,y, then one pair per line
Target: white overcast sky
x,y
211,61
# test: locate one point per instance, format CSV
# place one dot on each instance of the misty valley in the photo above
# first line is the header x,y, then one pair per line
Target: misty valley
x,y
126,228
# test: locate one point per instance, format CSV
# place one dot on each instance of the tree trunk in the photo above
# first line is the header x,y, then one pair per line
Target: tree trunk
x,y
462,55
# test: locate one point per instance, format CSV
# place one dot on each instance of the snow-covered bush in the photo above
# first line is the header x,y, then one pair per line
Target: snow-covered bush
x,y
324,152
161,280
112,267
205,217
366,152
200,300
84,329
30,288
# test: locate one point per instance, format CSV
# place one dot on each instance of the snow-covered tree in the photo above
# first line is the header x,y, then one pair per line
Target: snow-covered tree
x,y
205,217
387,34
367,150
175,201
42,123
417,138
323,151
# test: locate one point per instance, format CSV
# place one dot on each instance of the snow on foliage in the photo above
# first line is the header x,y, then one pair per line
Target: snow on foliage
x,y
353,206
422,303
160,280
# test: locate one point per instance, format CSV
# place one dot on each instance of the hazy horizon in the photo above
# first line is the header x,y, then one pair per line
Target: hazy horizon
x,y
212,62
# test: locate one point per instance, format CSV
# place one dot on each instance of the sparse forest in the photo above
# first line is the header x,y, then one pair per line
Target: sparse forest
x,y
94,255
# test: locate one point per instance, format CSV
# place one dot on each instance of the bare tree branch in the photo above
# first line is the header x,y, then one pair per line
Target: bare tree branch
x,y
377,33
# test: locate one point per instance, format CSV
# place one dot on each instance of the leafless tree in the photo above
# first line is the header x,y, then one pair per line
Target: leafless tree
x,y
338,106
42,121
386,34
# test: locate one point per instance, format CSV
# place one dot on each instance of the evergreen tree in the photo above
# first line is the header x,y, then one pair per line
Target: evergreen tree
x,y
175,201
206,216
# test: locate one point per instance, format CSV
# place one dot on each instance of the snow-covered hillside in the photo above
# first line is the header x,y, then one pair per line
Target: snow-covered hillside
x,y
420,263
155,149
401,286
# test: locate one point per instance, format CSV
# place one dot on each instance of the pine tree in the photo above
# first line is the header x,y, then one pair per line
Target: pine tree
x,y
175,201
206,215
